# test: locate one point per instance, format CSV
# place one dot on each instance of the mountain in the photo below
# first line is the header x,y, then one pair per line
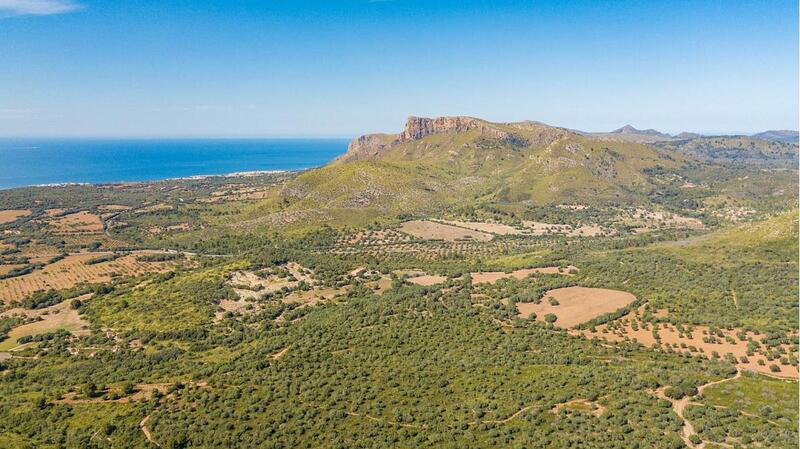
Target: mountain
x,y
687,135
779,136
630,134
436,163
740,150
628,129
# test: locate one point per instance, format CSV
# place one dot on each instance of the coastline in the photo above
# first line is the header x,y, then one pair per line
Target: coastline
x,y
238,174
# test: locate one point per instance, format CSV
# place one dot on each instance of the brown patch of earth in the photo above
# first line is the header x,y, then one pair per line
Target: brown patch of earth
x,y
427,280
59,316
493,276
9,215
576,305
73,269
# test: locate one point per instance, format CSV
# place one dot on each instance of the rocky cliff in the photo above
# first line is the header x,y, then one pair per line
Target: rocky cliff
x,y
417,128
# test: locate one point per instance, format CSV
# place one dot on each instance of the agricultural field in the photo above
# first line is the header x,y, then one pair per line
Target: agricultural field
x,y
73,269
8,216
575,305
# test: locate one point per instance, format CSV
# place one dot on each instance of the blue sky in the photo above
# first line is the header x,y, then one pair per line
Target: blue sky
x,y
346,67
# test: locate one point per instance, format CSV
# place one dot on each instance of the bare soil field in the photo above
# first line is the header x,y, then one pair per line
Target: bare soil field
x,y
630,327
81,222
72,270
576,304
431,230
427,280
491,228
59,316
9,215
539,228
493,276
381,285
7,268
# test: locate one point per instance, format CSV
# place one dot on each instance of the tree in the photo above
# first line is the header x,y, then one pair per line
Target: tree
x,y
550,318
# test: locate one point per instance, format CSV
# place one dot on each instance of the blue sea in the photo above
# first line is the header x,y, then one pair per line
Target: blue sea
x,y
25,162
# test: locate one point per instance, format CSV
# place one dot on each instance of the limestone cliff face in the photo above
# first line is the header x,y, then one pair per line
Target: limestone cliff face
x,y
370,145
420,127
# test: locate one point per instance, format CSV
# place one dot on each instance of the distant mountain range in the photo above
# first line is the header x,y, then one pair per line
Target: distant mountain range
x,y
630,133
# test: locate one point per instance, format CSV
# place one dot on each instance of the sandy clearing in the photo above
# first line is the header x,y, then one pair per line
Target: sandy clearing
x,y
60,316
669,335
491,228
427,280
493,276
576,304
431,230
9,215
383,284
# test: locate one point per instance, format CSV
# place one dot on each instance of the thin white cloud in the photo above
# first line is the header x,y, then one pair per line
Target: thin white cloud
x,y
37,7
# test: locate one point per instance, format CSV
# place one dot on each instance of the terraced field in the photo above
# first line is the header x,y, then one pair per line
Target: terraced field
x,y
72,270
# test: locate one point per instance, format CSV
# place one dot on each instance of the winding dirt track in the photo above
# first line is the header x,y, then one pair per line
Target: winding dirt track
x,y
679,405
146,431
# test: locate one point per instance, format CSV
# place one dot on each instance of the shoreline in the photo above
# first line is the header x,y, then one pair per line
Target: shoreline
x,y
238,174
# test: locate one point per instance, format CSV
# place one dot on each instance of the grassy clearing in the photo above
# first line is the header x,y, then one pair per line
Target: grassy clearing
x,y
758,395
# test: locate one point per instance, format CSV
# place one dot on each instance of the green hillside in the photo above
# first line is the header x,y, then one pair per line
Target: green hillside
x,y
463,160
736,150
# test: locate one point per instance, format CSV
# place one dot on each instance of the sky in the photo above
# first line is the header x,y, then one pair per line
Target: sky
x,y
261,68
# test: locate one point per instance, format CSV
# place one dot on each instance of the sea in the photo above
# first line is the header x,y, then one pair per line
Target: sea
x,y
27,162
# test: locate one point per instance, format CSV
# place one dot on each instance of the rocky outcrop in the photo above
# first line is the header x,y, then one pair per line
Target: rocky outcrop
x,y
420,127
367,146
371,145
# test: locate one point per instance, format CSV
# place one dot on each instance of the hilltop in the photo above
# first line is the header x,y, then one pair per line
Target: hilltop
x,y
779,136
438,162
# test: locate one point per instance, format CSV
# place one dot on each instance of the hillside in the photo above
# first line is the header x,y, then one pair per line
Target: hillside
x,y
735,150
434,163
778,136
